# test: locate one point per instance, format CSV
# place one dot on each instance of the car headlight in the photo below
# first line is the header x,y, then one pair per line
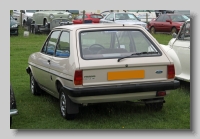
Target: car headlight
x,y
144,25
14,26
70,16
51,16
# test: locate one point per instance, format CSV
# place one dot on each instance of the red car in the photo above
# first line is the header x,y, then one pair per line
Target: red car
x,y
167,23
89,18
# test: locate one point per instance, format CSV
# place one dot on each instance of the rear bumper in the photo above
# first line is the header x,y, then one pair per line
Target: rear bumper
x,y
122,89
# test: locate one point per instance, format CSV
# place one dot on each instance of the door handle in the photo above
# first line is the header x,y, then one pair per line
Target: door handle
x,y
48,61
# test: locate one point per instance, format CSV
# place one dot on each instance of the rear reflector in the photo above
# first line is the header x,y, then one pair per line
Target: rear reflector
x,y
170,71
78,77
161,93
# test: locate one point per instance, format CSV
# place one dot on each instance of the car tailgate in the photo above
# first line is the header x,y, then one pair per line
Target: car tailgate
x,y
128,70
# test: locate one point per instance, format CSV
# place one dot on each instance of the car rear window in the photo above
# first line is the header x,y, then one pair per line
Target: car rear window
x,y
104,44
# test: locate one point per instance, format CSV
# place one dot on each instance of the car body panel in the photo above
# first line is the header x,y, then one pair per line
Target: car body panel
x,y
57,17
142,14
92,17
162,25
95,72
179,50
114,19
13,26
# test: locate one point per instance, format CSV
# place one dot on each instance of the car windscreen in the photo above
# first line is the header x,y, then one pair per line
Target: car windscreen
x,y
179,18
106,44
125,16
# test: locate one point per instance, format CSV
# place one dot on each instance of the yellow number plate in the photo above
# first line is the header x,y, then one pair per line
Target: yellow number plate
x,y
124,75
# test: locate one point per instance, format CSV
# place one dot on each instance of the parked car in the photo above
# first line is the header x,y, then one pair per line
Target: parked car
x,y
178,49
96,63
13,105
26,14
13,26
93,18
46,20
144,15
169,23
122,18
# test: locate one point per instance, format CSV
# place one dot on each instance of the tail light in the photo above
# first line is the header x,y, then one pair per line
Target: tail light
x,y
170,71
78,77
161,93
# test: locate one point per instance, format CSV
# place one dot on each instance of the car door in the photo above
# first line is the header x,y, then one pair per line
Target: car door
x,y
44,61
158,23
59,64
166,26
182,48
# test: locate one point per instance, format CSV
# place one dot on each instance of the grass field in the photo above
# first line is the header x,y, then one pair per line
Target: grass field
x,y
42,112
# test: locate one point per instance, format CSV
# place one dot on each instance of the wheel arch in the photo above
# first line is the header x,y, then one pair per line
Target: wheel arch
x,y
58,84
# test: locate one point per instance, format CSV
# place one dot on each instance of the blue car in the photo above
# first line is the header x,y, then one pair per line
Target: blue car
x,y
13,26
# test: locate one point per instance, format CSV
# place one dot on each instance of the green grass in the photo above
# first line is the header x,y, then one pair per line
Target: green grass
x,y
42,112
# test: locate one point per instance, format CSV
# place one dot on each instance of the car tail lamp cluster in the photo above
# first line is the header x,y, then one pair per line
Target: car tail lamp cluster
x,y
170,71
78,77
161,93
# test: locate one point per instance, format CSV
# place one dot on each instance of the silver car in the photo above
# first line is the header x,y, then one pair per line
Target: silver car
x,y
123,18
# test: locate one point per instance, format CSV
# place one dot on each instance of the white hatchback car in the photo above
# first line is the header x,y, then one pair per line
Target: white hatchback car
x,y
178,49
97,63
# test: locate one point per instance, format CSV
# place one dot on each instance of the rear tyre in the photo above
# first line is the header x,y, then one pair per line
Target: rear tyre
x,y
67,106
174,30
152,30
35,89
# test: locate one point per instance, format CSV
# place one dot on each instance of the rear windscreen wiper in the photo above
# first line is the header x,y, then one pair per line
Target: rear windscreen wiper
x,y
139,53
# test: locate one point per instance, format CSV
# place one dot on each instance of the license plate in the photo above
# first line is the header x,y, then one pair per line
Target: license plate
x,y
125,75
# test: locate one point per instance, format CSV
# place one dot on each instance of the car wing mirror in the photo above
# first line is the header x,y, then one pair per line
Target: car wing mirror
x,y
169,21
174,35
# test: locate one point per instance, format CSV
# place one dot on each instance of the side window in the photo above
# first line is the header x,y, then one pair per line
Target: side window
x,y
185,32
160,18
110,16
50,44
63,47
166,17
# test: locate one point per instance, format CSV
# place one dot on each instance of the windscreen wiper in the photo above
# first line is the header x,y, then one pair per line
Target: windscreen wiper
x,y
139,53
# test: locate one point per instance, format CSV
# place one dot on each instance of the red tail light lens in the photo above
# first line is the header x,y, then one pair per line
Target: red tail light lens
x,y
78,77
161,93
170,71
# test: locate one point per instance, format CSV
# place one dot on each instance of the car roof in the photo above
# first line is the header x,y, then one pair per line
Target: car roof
x,y
100,25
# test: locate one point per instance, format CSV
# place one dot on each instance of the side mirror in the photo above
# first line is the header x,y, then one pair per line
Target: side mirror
x,y
169,21
174,35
